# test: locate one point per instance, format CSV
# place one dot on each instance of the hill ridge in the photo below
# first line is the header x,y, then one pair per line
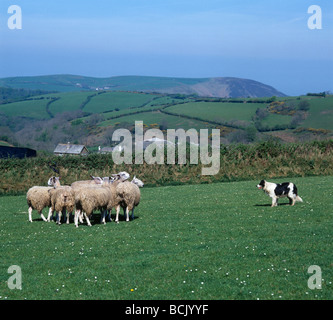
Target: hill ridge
x,y
220,87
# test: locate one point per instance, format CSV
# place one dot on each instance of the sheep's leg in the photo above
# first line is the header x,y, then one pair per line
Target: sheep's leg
x,y
76,218
127,214
88,221
50,215
109,215
67,220
117,214
80,216
30,214
44,219
124,209
132,215
59,217
70,214
103,214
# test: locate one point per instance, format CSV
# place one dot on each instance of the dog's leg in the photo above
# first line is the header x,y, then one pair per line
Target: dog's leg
x,y
274,202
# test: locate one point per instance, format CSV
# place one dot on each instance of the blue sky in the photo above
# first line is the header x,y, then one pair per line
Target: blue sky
x,y
263,40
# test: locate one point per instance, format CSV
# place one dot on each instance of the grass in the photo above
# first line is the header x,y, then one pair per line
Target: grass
x,y
156,117
208,241
117,100
217,111
32,109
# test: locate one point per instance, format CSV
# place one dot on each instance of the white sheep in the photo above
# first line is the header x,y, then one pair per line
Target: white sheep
x,y
38,197
128,196
62,201
90,198
112,183
93,181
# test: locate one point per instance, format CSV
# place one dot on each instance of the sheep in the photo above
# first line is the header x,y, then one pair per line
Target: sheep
x,y
38,197
128,196
62,200
112,183
88,199
84,195
94,181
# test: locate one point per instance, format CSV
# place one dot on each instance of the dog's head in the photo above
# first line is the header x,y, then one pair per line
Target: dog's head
x,y
261,184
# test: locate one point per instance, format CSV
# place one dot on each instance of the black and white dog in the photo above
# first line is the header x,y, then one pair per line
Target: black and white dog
x,y
280,190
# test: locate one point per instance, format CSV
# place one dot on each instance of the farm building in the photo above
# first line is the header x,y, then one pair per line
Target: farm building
x,y
110,149
70,149
158,142
12,152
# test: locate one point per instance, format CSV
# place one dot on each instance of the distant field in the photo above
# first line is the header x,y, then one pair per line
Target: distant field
x,y
117,100
175,111
69,101
209,241
156,117
32,108
320,113
217,111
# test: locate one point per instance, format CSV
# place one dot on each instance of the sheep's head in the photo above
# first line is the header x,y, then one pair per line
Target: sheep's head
x,y
54,182
138,182
98,180
124,175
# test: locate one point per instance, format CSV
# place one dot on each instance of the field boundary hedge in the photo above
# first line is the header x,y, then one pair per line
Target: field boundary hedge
x,y
266,160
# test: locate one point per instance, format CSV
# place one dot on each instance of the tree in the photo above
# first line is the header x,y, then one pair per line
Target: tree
x,y
304,105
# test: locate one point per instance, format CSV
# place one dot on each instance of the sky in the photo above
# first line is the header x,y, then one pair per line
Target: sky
x,y
263,40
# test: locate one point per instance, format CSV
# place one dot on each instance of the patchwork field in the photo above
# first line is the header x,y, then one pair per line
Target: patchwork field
x,y
208,241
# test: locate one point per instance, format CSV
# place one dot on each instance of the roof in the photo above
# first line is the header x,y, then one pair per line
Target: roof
x,y
13,152
67,148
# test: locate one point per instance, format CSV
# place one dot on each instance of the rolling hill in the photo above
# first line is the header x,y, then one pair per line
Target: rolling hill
x,y
227,87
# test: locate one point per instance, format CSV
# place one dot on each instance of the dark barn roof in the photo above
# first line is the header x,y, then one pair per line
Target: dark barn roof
x,y
12,152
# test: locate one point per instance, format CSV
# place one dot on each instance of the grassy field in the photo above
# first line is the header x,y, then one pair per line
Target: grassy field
x,y
216,111
117,100
120,106
156,117
208,241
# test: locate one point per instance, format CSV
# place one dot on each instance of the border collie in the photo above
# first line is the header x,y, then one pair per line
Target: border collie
x,y
280,190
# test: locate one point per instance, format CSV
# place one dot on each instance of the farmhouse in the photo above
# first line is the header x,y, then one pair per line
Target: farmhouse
x,y
70,149
12,152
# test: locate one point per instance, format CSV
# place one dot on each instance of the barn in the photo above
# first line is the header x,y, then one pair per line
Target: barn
x,y
13,152
70,149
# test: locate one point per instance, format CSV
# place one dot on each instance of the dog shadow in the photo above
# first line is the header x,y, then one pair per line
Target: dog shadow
x,y
268,205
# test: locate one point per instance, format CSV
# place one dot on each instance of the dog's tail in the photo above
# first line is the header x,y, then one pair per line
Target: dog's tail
x,y
298,198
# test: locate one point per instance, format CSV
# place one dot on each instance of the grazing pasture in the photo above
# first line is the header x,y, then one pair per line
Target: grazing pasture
x,y
208,241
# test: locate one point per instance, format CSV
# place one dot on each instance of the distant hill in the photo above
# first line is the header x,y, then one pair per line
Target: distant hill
x,y
209,87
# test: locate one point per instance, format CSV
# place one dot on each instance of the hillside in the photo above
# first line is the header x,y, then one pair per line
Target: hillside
x,y
90,117
209,87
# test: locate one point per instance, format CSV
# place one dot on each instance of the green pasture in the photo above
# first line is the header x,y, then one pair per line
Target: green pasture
x,y
156,117
117,100
30,108
206,241
68,101
217,111
320,113
119,106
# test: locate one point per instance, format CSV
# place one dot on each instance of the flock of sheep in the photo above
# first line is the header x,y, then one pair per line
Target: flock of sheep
x,y
84,197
